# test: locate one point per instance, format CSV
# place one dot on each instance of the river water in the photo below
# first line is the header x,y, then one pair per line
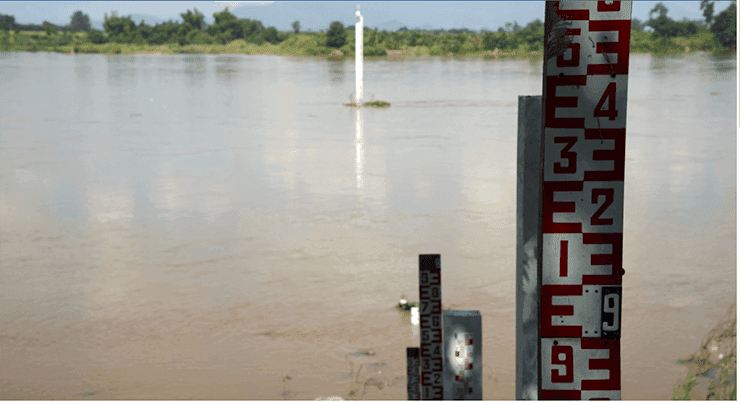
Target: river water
x,y
204,227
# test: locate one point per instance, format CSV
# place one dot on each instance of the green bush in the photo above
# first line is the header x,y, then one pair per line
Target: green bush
x,y
373,51
500,40
198,37
349,49
65,39
96,37
436,50
271,35
49,28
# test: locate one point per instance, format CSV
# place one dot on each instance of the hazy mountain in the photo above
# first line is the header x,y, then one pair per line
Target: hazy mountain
x,y
384,15
391,26
430,15
150,19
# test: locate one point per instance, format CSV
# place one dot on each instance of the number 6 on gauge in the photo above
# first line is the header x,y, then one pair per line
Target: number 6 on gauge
x,y
611,312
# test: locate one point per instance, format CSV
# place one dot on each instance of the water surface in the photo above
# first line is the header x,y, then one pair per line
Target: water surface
x,y
200,226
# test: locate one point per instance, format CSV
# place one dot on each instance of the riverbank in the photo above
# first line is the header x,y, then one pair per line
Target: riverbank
x,y
118,49
712,370
307,46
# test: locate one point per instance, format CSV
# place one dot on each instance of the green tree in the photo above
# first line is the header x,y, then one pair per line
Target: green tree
x,y
7,22
690,28
65,39
664,27
413,38
532,35
251,29
49,28
224,17
199,38
724,27
80,22
637,25
228,27
143,31
296,26
708,7
193,20
166,32
500,40
335,37
120,29
271,35
659,8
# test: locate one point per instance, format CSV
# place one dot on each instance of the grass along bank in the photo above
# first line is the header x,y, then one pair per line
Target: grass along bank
x,y
713,369
313,45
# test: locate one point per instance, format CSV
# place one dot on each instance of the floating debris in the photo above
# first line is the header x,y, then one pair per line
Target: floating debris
x,y
377,367
404,305
363,353
379,104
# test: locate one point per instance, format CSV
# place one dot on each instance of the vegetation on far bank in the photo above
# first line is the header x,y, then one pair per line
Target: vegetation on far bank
x,y
716,34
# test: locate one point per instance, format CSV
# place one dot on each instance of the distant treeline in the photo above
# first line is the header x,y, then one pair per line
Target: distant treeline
x,y
712,32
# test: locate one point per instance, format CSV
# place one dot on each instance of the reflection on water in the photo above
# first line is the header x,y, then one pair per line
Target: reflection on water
x,y
195,64
359,144
164,211
337,70
693,62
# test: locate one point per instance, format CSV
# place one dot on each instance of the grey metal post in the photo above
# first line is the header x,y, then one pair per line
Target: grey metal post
x,y
412,374
430,321
529,172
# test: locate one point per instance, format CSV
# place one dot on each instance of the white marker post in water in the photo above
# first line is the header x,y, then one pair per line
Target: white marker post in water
x,y
358,57
583,148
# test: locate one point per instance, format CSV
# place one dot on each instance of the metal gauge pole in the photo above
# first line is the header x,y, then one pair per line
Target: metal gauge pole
x,y
582,196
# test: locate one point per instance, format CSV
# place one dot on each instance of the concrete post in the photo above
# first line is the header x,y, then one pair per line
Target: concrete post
x,y
529,172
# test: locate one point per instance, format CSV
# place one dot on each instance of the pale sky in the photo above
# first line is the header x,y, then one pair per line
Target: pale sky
x,y
497,12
